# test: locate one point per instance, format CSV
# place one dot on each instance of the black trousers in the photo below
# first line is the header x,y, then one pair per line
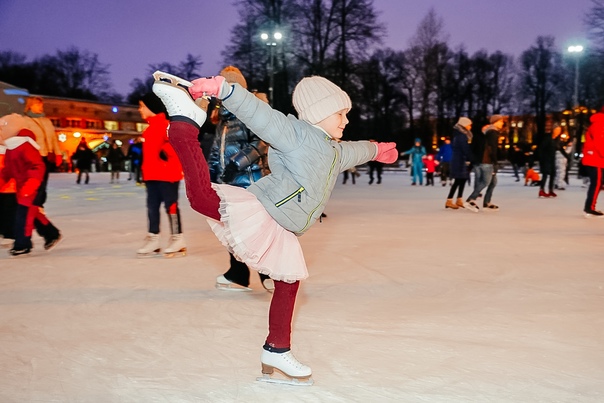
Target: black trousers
x,y
8,213
595,184
159,192
239,273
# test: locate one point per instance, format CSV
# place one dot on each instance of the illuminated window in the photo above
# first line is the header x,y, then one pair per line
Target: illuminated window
x,y
94,124
111,125
73,122
140,127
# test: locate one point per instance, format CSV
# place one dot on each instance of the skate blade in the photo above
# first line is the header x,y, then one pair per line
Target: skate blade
x,y
148,255
266,378
179,253
54,245
232,287
160,76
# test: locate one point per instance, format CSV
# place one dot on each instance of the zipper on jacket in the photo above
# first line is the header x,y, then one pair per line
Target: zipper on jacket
x,y
291,196
333,164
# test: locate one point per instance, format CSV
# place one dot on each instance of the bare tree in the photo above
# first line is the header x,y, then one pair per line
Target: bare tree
x,y
542,73
594,22
379,83
357,29
430,54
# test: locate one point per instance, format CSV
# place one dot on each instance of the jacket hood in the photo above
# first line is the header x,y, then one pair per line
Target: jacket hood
x,y
597,118
26,133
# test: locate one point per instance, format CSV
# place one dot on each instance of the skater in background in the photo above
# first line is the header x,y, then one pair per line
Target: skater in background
x,y
375,167
45,135
162,173
416,154
135,156
443,157
484,150
260,225
593,160
8,206
547,161
83,157
237,157
461,156
115,157
353,174
516,158
563,156
430,163
532,177
24,165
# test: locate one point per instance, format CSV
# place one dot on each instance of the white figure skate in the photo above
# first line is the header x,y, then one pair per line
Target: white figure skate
x,y
151,246
223,284
176,247
295,372
173,92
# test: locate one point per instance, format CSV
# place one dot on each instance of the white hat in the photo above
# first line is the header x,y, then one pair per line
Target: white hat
x,y
316,98
463,121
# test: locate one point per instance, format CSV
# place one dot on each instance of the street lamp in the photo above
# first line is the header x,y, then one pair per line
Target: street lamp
x,y
576,49
271,42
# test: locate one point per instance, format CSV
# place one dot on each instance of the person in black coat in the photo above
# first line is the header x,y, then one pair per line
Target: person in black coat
x,y
547,161
83,158
459,172
115,156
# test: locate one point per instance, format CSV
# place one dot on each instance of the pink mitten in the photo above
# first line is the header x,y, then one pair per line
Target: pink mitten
x,y
209,86
386,153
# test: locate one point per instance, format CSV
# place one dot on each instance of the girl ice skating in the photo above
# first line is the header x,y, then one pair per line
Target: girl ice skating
x,y
260,224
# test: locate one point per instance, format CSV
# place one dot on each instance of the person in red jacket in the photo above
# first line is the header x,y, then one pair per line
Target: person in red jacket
x,y
162,174
593,160
25,165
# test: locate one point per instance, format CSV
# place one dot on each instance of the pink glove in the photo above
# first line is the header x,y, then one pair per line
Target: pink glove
x,y
209,86
386,153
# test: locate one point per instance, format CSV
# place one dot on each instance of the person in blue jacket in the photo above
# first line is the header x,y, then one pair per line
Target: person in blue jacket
x,y
416,153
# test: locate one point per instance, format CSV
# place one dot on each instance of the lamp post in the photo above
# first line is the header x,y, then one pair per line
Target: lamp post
x,y
271,42
576,50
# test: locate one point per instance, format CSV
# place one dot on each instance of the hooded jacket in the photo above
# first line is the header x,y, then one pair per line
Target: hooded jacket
x,y
593,149
235,144
304,160
160,162
24,164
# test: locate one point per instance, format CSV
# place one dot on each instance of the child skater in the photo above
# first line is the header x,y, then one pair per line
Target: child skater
x,y
25,165
260,224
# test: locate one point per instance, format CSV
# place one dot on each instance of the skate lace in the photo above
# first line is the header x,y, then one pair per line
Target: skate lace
x,y
293,361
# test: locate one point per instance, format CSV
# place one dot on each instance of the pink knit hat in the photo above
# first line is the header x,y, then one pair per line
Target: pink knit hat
x,y
316,98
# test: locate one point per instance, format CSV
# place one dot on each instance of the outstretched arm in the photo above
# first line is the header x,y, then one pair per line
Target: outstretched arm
x,y
267,123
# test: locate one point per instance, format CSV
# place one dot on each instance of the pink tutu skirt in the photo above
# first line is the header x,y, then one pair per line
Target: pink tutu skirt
x,y
255,238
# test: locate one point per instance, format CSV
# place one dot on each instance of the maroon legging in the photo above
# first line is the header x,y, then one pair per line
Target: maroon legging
x,y
204,200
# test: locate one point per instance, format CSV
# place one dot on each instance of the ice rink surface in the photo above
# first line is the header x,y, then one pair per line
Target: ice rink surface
x,y
406,302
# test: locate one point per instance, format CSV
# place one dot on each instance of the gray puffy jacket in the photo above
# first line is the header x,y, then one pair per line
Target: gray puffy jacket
x,y
304,161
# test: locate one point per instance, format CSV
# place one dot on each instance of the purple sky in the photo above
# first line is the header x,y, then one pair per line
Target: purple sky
x,y
130,34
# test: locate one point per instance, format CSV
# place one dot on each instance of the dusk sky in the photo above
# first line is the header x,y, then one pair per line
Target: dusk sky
x,y
131,34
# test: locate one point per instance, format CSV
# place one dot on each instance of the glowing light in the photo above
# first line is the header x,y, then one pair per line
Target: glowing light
x,y
77,134
118,142
62,137
114,109
575,49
